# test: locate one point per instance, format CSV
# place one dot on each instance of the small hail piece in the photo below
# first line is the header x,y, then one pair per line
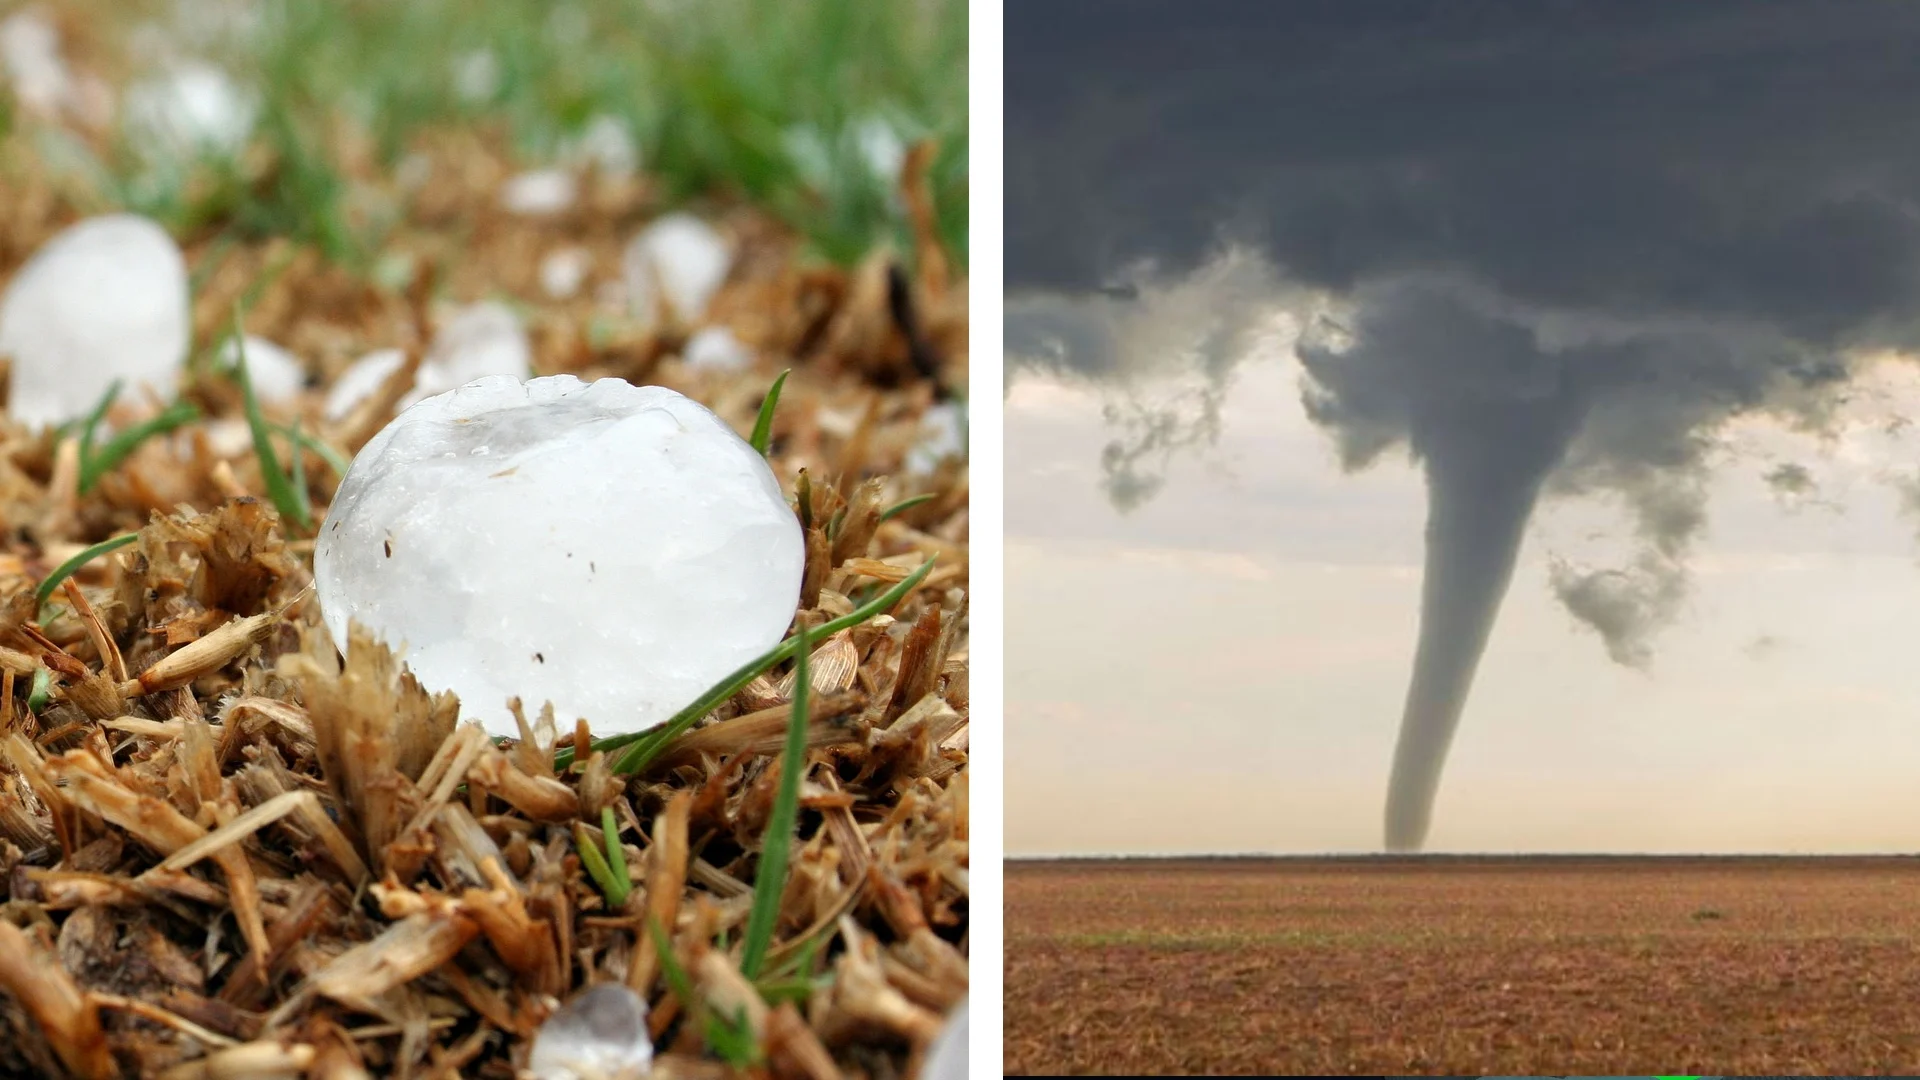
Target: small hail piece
x,y
190,110
673,268
599,1035
947,1058
943,434
539,193
473,342
716,349
612,549
105,300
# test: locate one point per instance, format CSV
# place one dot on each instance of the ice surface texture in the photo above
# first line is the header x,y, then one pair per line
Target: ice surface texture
x,y
105,299
614,549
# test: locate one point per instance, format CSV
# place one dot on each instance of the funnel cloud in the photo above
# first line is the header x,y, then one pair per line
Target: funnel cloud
x,y
1545,250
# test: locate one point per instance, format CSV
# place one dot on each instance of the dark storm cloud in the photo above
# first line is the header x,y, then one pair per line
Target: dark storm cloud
x,y
1572,240
1714,157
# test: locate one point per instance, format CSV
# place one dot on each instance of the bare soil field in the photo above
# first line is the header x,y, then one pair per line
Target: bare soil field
x,y
1464,966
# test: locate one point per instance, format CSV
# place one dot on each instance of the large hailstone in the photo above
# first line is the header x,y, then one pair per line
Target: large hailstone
x,y
614,549
105,299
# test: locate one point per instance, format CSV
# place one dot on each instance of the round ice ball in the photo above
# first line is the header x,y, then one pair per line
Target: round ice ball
x,y
613,549
105,299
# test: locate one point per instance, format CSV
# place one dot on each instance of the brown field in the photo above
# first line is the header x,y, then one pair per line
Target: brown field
x,y
1465,966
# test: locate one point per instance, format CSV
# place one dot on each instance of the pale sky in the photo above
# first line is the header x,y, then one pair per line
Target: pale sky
x,y
1610,285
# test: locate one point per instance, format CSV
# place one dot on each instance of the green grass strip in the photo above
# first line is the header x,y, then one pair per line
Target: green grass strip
x,y
770,878
93,466
644,746
677,980
41,692
66,569
335,459
93,420
291,500
904,505
616,854
615,889
763,426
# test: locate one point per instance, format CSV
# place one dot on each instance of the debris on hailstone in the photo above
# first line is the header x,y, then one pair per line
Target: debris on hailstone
x,y
540,193
359,381
190,110
716,349
943,434
613,549
674,267
600,1035
562,272
276,374
947,1059
105,299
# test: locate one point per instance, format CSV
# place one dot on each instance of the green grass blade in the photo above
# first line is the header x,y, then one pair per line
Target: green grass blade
x,y
93,423
66,569
763,426
42,690
93,466
644,746
616,854
299,467
615,889
732,1039
335,459
770,878
904,505
290,500
677,980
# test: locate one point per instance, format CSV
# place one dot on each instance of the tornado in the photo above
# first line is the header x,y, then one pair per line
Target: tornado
x,y
1483,479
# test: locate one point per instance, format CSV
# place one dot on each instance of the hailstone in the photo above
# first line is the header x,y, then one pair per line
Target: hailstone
x,y
105,299
600,1035
676,263
947,1058
276,374
716,349
613,549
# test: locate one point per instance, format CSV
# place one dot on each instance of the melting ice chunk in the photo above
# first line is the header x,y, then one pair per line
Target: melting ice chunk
x,y
614,549
676,263
600,1035
105,299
